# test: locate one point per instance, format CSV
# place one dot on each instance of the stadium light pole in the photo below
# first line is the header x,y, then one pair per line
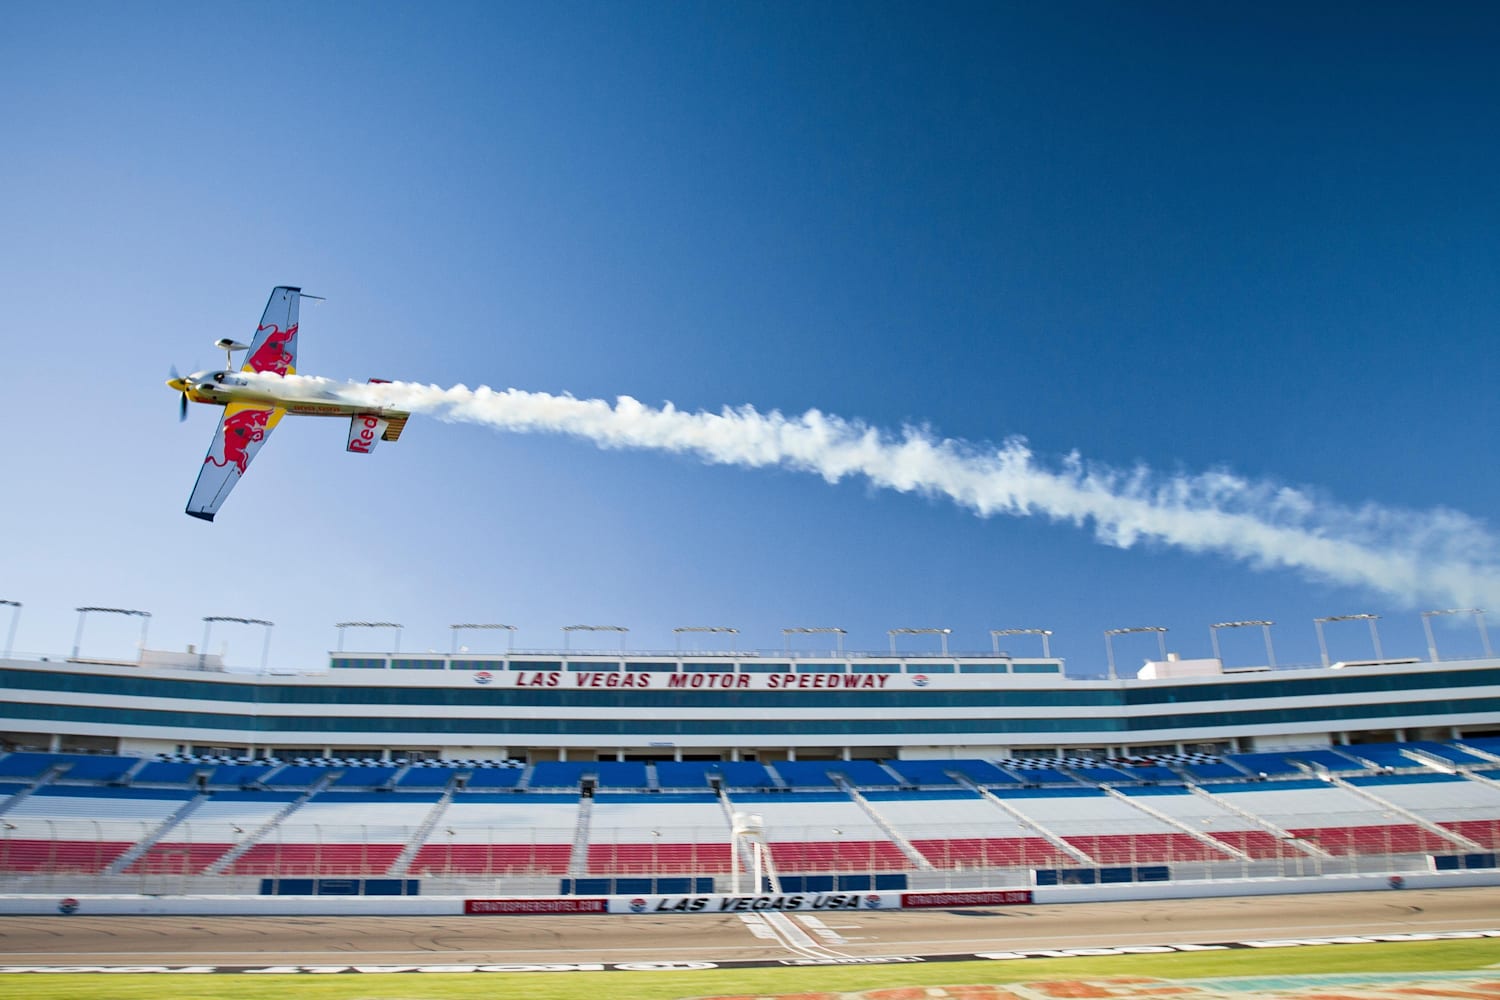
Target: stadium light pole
x,y
265,647
1045,633
343,625
1109,648
510,634
83,613
713,629
1478,613
15,616
942,633
1318,623
1265,627
787,633
568,630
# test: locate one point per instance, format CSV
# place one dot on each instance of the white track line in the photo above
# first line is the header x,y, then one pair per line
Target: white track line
x,y
785,931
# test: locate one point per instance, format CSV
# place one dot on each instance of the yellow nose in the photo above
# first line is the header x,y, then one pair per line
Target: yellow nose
x,y
180,384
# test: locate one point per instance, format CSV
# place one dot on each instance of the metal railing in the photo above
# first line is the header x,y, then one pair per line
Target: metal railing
x,y
38,854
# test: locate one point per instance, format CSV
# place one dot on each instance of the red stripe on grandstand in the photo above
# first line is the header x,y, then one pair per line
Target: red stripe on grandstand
x,y
492,859
667,859
316,859
992,852
1116,849
59,856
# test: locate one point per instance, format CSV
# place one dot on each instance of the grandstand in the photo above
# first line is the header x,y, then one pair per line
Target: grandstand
x,y
531,774
153,823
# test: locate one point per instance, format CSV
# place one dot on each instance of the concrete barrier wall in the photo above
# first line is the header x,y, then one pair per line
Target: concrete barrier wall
x,y
1261,887
432,906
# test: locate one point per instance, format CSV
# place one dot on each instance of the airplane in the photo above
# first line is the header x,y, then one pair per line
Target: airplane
x,y
254,405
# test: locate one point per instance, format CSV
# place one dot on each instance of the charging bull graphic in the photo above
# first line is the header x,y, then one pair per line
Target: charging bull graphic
x,y
276,353
241,431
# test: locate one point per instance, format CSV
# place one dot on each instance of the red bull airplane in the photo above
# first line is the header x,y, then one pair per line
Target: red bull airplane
x,y
254,405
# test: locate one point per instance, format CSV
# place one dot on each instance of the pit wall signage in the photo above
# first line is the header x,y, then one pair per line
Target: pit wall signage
x,y
811,902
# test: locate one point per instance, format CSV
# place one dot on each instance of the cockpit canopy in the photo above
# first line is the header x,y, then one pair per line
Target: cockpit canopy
x,y
209,380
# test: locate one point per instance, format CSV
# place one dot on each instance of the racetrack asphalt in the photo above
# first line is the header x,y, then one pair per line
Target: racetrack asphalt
x,y
245,941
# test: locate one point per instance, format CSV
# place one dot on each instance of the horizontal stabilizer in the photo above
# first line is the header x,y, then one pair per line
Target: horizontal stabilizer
x,y
395,422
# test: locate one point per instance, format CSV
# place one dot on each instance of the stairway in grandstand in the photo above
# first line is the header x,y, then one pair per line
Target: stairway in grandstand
x,y
167,825
403,861
885,826
229,857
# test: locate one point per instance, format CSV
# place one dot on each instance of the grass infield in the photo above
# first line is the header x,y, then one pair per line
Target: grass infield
x,y
1404,957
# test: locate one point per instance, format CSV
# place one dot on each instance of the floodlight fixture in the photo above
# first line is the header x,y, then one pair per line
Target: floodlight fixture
x,y
343,625
239,621
1318,624
787,633
678,632
1109,649
83,613
568,630
1045,633
942,633
510,631
265,647
15,617
1478,613
1263,624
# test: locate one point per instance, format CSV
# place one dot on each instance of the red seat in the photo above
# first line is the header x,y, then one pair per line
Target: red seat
x,y
1146,848
59,855
837,856
1399,838
492,859
665,859
1485,832
178,859
315,859
991,852
1259,844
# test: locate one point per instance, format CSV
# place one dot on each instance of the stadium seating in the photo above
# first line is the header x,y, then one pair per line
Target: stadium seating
x,y
81,829
821,831
338,833
501,833
684,775
161,772
1215,821
642,834
225,821
933,823
80,813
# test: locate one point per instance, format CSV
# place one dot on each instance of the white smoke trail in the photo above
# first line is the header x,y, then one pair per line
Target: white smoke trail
x,y
1439,556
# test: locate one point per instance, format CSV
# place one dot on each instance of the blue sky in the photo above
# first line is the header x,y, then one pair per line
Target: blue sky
x,y
1248,238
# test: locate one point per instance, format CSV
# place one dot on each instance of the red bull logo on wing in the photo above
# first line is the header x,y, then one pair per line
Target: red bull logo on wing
x,y
241,430
275,354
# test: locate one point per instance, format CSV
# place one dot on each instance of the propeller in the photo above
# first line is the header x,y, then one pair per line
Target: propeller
x,y
180,384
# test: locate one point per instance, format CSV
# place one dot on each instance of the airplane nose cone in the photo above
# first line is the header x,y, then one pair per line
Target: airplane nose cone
x,y
180,384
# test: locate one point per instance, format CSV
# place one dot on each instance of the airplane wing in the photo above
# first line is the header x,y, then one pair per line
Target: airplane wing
x,y
274,348
242,430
